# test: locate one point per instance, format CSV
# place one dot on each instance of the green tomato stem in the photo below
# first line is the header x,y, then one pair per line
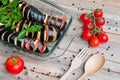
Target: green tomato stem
x,y
14,60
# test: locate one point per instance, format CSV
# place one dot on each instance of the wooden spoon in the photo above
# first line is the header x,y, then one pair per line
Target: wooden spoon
x,y
93,65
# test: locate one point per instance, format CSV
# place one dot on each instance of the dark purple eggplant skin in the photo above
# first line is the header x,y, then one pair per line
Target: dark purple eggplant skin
x,y
7,32
50,31
39,17
0,3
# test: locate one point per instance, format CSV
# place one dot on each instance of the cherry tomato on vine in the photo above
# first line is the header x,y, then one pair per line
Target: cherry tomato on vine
x,y
103,37
86,35
98,13
14,64
100,22
88,25
94,42
84,18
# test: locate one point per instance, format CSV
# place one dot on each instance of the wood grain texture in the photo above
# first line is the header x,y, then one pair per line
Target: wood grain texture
x,y
53,69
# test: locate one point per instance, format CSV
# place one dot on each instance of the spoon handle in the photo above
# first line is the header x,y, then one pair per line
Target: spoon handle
x,y
83,76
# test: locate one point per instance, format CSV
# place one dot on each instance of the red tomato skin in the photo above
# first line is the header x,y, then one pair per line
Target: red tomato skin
x,y
94,42
14,67
88,25
84,18
98,13
86,35
100,22
103,38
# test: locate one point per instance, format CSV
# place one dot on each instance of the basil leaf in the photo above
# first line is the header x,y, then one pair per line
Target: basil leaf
x,y
22,34
12,4
35,28
4,19
4,2
3,11
16,15
8,24
26,26
13,27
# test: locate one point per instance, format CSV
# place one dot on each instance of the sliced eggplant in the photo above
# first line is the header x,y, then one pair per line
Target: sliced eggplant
x,y
48,33
52,34
0,3
20,25
27,43
2,30
33,14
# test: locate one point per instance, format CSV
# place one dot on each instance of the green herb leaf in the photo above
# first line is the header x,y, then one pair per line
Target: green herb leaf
x,y
35,28
26,26
14,27
12,4
4,2
3,11
4,19
16,14
22,34
8,24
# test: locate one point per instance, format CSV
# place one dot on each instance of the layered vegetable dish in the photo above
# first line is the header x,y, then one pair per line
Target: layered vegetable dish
x,y
25,26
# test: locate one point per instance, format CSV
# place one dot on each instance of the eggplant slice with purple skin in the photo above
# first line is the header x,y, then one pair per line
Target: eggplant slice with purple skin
x,y
26,43
48,33
33,14
0,3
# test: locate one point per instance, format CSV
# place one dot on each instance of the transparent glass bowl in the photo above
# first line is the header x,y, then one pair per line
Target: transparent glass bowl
x,y
49,7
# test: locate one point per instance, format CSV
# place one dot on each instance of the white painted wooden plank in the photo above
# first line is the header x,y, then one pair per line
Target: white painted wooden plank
x,y
89,5
58,66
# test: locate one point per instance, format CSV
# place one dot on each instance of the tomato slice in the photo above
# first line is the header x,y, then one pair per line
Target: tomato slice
x,y
43,49
36,43
27,45
56,19
63,20
18,26
46,35
48,20
25,8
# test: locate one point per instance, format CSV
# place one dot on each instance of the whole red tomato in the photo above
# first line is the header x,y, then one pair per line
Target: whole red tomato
x,y
86,35
103,38
14,64
98,13
94,42
84,18
88,25
100,22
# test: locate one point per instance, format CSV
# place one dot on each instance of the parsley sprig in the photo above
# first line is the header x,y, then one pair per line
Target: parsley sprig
x,y
10,15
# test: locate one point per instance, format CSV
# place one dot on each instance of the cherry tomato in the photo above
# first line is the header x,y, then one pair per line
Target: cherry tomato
x,y
94,42
84,18
86,35
103,38
88,25
100,22
101,29
98,13
14,64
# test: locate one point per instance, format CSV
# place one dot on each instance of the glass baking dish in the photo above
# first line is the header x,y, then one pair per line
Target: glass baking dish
x,y
49,8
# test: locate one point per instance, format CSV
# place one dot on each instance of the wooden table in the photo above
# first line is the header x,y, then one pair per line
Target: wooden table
x,y
53,69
